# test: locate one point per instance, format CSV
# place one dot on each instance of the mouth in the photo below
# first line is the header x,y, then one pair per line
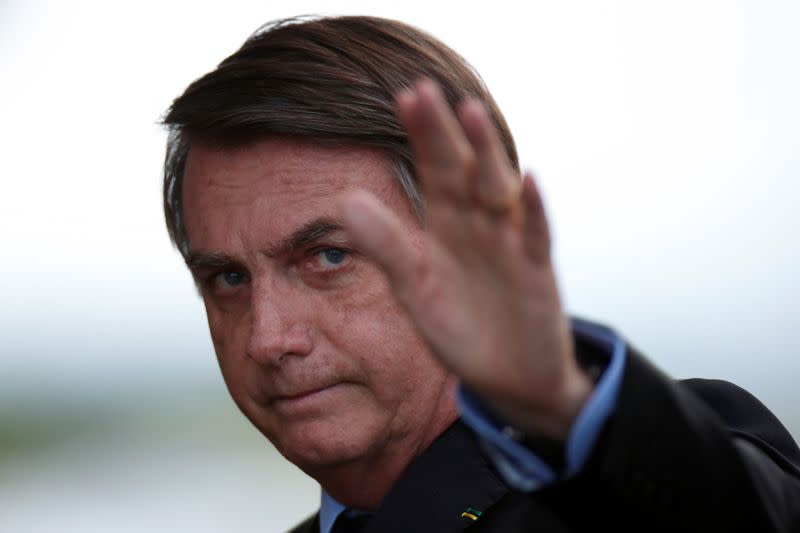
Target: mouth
x,y
305,398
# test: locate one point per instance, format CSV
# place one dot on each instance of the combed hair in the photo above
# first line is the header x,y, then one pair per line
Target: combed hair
x,y
328,80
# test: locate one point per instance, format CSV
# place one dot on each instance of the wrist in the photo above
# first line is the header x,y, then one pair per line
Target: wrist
x,y
555,421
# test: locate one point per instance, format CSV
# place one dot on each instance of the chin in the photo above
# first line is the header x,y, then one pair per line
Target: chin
x,y
318,445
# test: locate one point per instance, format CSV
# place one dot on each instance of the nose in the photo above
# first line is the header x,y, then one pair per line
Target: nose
x,y
279,328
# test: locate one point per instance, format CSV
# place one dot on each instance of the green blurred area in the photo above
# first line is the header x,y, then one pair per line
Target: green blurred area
x,y
207,413
23,433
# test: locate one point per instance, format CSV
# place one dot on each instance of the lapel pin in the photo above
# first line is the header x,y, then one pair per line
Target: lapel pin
x,y
471,513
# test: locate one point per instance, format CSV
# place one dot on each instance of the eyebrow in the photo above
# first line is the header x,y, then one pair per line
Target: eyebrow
x,y
201,260
305,234
302,236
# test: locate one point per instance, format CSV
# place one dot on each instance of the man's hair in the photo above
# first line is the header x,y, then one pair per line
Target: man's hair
x,y
327,80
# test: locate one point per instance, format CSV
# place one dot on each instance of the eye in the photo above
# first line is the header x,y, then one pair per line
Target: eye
x,y
228,279
331,258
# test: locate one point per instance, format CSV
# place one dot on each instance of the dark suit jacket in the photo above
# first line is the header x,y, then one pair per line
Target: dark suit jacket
x,y
696,455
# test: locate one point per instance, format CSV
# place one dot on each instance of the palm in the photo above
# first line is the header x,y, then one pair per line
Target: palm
x,y
481,288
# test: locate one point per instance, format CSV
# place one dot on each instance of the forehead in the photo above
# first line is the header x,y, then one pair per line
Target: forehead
x,y
283,165
284,181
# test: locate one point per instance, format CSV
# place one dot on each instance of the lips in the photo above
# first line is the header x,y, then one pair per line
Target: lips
x,y
304,398
300,395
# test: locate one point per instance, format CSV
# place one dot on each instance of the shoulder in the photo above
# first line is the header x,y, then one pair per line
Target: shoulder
x,y
745,417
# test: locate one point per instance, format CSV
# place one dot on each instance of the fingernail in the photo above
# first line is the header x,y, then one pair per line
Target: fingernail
x,y
404,97
429,88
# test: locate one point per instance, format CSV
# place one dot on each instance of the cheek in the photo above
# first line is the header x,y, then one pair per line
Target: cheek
x,y
216,327
376,331
228,337
366,318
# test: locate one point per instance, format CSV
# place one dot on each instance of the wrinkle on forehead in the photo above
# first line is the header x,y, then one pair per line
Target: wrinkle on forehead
x,y
283,159
287,180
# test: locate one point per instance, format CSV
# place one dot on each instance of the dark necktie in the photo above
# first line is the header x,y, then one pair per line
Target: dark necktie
x,y
347,523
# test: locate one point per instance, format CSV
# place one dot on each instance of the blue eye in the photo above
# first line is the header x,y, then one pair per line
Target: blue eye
x,y
331,258
229,279
334,255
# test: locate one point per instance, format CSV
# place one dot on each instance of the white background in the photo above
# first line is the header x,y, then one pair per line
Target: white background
x,y
665,136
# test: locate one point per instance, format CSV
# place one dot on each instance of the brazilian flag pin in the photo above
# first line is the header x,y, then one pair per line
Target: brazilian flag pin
x,y
471,513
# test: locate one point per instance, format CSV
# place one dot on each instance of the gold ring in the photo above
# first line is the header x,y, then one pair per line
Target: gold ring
x,y
508,204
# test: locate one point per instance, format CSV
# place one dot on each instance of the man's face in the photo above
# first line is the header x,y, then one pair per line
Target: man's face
x,y
312,345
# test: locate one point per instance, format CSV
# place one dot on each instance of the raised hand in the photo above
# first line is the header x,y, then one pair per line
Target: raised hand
x,y
481,289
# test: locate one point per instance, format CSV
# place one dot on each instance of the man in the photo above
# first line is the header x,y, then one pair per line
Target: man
x,y
382,301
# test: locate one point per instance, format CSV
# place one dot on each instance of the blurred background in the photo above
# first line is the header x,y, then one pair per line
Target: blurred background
x,y
665,135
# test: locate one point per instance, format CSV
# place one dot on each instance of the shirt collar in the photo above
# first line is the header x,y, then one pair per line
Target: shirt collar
x,y
329,511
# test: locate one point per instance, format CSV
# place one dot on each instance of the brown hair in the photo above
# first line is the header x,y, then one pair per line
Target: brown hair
x,y
331,80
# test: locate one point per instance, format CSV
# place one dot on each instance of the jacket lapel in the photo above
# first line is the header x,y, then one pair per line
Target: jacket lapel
x,y
445,489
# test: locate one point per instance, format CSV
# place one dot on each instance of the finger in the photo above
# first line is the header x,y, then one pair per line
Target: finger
x,y
536,230
380,235
495,182
443,155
